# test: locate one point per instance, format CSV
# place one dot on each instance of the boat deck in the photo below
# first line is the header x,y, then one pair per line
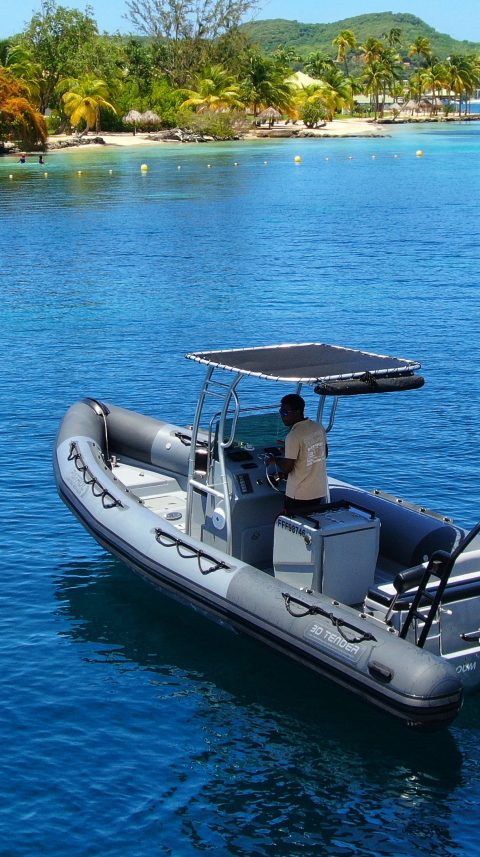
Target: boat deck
x,y
164,496
161,494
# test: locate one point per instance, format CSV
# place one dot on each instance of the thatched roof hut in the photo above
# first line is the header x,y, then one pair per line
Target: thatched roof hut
x,y
150,118
412,106
269,115
132,117
135,118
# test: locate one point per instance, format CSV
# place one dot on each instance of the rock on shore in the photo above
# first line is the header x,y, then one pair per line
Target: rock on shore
x,y
70,142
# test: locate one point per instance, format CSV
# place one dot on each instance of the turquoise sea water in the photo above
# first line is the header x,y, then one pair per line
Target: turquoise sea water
x,y
130,725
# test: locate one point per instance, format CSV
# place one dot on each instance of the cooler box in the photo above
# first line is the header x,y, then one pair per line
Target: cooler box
x,y
333,552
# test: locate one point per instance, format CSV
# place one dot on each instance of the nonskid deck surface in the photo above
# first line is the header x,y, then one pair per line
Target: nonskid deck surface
x,y
161,494
164,496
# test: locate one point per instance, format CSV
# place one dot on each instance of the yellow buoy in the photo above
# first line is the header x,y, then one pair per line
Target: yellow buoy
x,y
297,159
10,176
144,168
79,172
419,153
45,174
110,172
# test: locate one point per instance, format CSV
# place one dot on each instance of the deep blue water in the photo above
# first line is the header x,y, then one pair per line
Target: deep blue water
x,y
130,725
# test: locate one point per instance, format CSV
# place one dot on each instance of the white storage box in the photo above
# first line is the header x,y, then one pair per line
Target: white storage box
x,y
333,552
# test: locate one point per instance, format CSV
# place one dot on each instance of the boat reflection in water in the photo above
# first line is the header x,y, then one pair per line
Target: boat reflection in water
x,y
249,700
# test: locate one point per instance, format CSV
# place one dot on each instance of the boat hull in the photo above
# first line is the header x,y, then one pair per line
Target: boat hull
x,y
333,640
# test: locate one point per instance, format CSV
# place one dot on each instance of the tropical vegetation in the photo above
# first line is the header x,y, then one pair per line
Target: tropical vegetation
x,y
310,38
19,119
196,66
83,101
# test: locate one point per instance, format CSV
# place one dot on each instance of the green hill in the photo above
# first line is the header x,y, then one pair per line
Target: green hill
x,y
305,38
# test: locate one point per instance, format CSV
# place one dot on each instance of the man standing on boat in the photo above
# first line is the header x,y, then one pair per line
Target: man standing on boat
x,y
305,461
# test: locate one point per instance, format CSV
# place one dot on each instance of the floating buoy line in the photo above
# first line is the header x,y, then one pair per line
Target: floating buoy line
x,y
297,160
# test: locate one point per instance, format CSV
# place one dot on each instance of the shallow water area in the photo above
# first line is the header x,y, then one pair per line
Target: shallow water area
x,y
129,722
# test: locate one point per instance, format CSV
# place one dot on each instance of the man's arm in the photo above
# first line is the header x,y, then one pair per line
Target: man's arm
x,y
284,464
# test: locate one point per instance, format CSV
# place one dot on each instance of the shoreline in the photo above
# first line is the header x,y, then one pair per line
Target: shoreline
x,y
337,128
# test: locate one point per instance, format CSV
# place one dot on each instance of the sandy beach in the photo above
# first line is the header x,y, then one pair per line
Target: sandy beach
x,y
336,128
348,128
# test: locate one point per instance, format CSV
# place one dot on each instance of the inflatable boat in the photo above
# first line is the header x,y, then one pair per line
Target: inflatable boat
x,y
365,589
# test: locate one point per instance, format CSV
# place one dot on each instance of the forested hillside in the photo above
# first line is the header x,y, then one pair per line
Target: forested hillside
x,y
306,38
61,74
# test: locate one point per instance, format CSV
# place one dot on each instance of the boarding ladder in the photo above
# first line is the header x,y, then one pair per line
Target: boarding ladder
x,y
440,567
224,393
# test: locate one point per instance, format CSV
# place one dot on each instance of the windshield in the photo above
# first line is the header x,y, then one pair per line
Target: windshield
x,y
259,430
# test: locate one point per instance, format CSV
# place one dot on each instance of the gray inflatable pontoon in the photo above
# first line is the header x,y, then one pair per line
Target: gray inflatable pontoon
x,y
368,590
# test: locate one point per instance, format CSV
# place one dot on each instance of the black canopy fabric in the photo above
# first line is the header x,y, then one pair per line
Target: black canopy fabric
x,y
309,363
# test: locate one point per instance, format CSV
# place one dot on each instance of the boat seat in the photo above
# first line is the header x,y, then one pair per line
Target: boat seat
x,y
407,536
381,595
397,595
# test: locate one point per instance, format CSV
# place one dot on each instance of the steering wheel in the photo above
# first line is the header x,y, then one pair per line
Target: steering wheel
x,y
273,475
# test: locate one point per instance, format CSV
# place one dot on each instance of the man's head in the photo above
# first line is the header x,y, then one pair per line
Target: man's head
x,y
291,409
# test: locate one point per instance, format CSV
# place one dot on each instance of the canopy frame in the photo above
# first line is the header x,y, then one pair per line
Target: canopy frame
x,y
323,367
309,363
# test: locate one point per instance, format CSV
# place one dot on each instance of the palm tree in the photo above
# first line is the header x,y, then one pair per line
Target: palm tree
x,y
415,86
19,119
396,90
393,70
372,49
463,77
377,76
317,63
434,79
382,69
263,84
393,37
420,47
330,99
214,91
19,61
286,57
342,84
345,41
83,100
355,86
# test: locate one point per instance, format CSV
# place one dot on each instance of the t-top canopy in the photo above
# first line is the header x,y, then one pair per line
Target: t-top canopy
x,y
315,363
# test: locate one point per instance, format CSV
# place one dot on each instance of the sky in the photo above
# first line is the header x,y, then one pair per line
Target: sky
x,y
459,19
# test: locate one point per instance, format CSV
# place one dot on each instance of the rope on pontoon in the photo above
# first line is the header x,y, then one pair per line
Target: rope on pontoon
x,y
186,439
315,610
186,551
108,500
